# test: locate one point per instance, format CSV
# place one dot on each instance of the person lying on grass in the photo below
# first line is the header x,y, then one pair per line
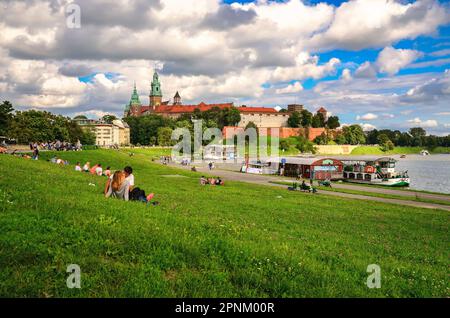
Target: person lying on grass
x,y
211,181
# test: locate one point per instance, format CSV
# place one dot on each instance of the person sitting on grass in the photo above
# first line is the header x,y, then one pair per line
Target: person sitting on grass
x,y
212,181
99,170
86,166
78,167
219,182
107,172
135,194
128,172
203,180
305,186
119,187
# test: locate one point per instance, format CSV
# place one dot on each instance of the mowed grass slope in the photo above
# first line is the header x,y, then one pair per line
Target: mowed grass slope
x,y
233,241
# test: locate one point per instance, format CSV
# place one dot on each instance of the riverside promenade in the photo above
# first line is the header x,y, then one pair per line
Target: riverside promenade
x,y
408,197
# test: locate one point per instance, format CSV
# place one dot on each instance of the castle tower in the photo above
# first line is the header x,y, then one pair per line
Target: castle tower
x,y
133,108
177,99
155,93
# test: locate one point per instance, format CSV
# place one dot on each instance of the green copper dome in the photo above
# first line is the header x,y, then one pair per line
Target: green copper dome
x,y
134,101
135,97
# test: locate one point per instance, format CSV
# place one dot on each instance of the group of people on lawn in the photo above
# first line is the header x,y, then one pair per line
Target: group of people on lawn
x,y
211,181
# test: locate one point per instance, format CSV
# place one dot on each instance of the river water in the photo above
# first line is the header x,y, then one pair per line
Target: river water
x,y
430,173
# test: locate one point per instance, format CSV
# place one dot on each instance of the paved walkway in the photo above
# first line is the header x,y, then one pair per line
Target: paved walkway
x,y
227,174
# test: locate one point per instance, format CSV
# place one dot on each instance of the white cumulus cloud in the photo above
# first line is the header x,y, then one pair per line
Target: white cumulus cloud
x,y
368,116
291,88
391,60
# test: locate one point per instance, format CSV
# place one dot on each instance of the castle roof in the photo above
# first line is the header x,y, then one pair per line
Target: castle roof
x,y
265,110
186,109
322,110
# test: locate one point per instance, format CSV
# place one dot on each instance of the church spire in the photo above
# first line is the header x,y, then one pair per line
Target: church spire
x,y
133,108
177,99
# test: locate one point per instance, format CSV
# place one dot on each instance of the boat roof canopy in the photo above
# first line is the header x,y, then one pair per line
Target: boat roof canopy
x,y
366,159
307,161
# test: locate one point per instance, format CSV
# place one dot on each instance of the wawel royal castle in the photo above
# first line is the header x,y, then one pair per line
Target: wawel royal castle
x,y
263,117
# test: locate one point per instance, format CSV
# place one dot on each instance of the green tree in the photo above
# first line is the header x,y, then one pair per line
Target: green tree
x,y
340,139
88,137
306,116
318,121
41,126
294,120
144,129
323,139
417,132
6,110
231,117
385,143
354,135
304,145
165,136
109,119
333,122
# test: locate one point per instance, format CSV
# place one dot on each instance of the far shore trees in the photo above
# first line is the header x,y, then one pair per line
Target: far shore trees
x,y
385,143
354,135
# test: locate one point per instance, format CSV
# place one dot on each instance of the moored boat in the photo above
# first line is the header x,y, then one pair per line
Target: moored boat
x,y
377,171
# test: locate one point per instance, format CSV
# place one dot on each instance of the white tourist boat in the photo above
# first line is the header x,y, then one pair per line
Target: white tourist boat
x,y
378,171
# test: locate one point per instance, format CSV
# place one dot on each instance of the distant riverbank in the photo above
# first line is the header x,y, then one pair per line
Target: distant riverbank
x,y
375,150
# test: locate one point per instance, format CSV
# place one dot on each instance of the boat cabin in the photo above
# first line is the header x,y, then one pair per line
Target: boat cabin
x,y
369,168
311,168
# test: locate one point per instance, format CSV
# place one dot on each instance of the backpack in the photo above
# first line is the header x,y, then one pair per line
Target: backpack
x,y
137,195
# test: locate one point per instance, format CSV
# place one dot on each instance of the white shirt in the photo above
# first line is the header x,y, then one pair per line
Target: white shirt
x,y
99,171
130,180
85,168
77,168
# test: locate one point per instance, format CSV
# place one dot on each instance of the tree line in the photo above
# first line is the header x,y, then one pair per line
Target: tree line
x,y
40,126
306,119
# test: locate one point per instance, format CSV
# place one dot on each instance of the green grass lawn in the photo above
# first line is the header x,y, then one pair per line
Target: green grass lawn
x,y
373,150
240,240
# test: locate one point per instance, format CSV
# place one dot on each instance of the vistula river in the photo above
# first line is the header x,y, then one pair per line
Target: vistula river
x,y
429,173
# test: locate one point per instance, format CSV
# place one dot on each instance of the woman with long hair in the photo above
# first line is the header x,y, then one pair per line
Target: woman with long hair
x,y
119,188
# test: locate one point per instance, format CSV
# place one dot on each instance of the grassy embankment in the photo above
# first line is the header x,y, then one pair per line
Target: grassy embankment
x,y
232,241
374,194
374,150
